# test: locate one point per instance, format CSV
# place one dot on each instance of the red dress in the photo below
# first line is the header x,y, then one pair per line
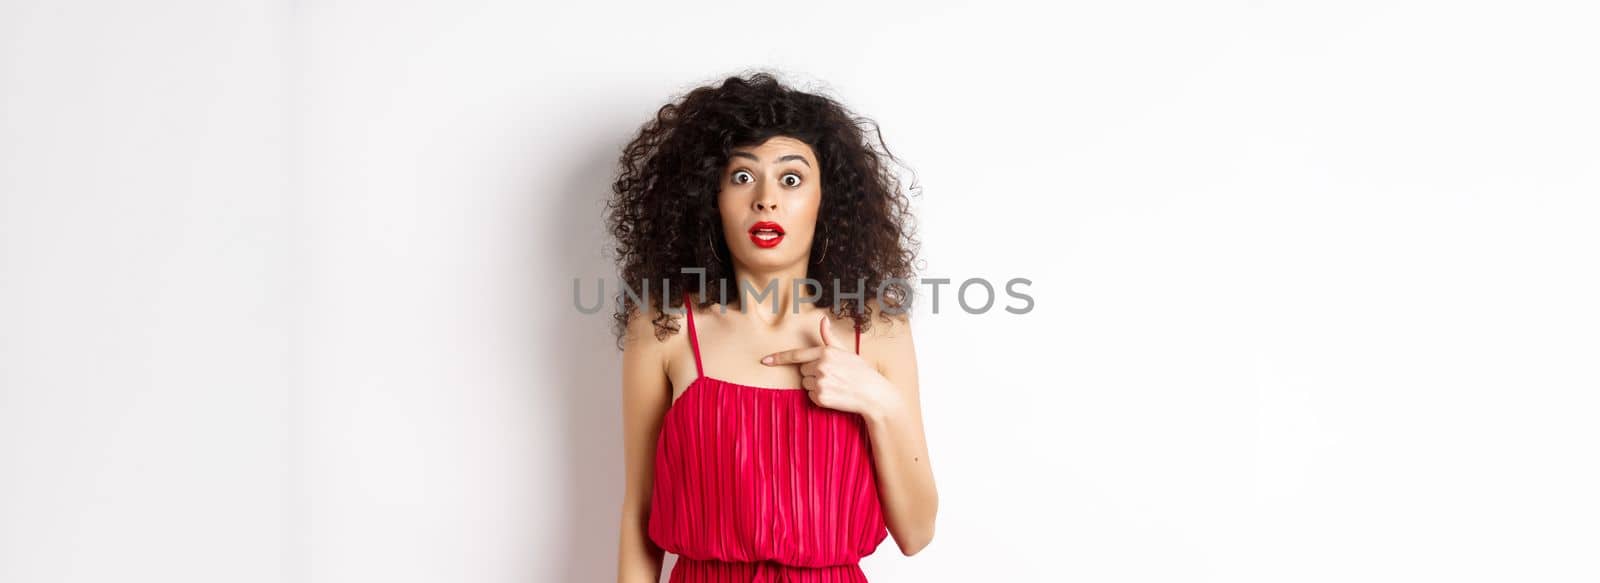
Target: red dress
x,y
759,484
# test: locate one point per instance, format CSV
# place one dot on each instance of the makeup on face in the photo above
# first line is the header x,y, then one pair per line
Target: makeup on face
x,y
766,234
764,184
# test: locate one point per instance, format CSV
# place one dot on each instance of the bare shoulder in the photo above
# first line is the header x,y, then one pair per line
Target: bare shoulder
x,y
642,349
886,342
887,325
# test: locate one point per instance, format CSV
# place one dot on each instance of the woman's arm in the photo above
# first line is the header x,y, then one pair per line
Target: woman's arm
x,y
899,446
646,394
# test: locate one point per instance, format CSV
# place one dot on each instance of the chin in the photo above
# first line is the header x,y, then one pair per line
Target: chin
x,y
764,259
788,253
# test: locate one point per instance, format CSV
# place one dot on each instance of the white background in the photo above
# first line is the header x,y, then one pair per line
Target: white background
x,y
285,287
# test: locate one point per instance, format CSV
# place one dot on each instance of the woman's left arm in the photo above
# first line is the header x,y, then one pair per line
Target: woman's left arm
x,y
899,445
888,398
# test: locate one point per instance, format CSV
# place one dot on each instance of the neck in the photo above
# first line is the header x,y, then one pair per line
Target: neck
x,y
778,285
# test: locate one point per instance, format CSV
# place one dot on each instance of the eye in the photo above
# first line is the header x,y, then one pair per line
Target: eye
x,y
746,175
789,183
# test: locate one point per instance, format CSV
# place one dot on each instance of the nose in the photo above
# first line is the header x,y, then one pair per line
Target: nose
x,y
765,200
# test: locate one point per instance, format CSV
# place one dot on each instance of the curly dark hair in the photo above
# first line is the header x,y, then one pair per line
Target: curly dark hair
x,y
664,213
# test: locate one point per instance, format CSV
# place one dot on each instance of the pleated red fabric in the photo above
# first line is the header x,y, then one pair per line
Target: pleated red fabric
x,y
759,484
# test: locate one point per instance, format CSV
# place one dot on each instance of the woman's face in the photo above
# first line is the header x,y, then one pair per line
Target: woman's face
x,y
769,200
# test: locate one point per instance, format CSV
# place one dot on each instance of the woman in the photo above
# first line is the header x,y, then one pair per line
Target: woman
x,y
779,437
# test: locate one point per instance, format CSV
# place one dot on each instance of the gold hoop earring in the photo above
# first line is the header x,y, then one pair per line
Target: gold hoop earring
x,y
826,242
713,247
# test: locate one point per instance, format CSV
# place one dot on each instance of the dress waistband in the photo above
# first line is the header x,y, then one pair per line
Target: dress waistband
x,y
714,571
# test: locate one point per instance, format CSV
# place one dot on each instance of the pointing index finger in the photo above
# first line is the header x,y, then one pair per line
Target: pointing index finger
x,y
797,355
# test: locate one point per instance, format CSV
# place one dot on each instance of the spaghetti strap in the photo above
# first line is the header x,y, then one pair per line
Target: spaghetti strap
x,y
694,339
858,338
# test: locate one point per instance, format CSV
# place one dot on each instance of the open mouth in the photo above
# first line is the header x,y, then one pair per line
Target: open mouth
x,y
766,234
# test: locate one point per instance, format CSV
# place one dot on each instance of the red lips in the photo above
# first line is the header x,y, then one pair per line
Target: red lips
x,y
766,234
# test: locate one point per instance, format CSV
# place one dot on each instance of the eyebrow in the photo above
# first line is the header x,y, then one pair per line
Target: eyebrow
x,y
783,158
